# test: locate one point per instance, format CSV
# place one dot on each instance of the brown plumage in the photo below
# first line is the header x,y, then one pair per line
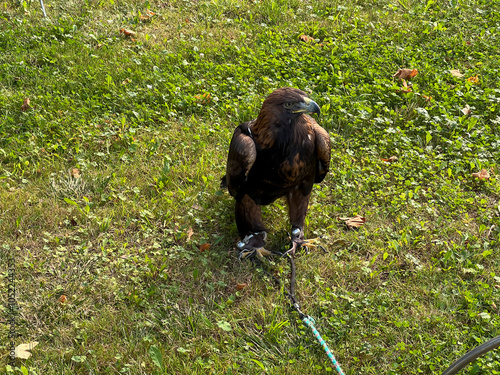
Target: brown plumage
x,y
281,153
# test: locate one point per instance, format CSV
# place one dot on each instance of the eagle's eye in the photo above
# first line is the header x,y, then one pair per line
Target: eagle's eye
x,y
288,105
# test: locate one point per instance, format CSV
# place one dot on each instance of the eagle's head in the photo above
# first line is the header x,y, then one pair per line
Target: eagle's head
x,y
287,104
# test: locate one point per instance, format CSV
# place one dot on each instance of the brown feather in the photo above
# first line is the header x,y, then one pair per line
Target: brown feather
x,y
323,151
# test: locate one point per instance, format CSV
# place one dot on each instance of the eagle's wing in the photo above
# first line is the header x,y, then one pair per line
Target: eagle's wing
x,y
241,157
322,143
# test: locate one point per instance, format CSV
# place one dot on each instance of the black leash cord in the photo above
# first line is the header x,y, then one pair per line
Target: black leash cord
x,y
291,292
472,355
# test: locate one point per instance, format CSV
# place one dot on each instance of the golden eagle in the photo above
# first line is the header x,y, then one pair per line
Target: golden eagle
x,y
281,153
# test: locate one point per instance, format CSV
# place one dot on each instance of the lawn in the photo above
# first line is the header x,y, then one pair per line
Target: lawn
x,y
121,243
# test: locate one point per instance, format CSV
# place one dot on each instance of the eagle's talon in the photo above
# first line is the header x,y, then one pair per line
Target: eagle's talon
x,y
260,253
253,245
310,244
314,243
246,253
307,244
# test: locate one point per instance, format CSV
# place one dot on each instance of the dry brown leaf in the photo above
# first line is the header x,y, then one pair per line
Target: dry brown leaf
x,y
190,233
147,16
240,286
26,105
22,350
353,222
405,74
75,173
306,38
203,98
406,87
474,80
392,159
456,73
63,299
466,110
482,175
205,247
127,32
490,230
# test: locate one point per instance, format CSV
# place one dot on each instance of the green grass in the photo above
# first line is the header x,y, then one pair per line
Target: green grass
x,y
408,293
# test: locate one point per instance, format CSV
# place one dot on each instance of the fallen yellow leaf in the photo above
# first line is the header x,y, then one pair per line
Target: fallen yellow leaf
x,y
466,110
203,98
22,350
474,80
456,73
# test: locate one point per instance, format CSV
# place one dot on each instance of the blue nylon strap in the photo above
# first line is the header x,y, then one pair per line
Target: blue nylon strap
x,y
309,323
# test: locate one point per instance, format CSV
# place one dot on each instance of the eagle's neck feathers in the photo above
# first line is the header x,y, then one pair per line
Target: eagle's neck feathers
x,y
269,131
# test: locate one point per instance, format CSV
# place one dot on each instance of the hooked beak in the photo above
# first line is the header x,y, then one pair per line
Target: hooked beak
x,y
308,106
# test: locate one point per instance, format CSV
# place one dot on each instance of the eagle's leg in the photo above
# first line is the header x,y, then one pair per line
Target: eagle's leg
x,y
297,209
251,228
